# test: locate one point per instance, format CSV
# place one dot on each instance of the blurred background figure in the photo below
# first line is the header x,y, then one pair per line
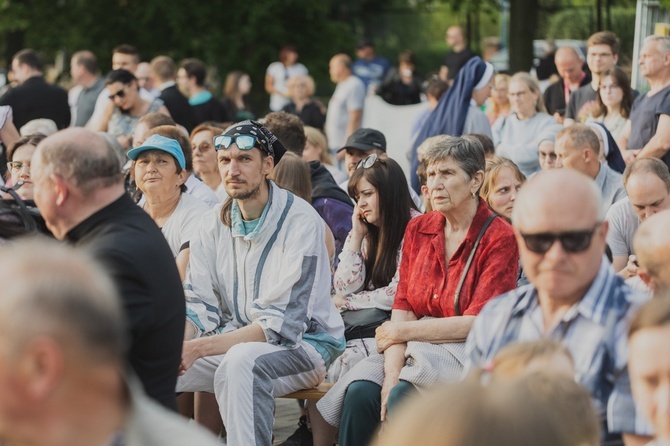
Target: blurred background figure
x,y
278,73
498,104
316,149
402,84
310,111
205,164
368,66
236,96
458,55
615,99
19,158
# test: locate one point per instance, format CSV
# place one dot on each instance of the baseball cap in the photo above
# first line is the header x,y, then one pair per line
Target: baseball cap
x,y
366,139
158,142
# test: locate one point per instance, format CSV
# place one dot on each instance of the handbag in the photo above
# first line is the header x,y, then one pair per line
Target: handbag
x,y
359,324
457,295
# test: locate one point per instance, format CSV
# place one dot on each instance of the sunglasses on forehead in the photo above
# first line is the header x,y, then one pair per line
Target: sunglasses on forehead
x,y
571,241
367,162
243,142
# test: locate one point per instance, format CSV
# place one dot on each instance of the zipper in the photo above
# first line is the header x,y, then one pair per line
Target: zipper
x,y
244,279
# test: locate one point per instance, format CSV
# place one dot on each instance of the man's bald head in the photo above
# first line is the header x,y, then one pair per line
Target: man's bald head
x,y
569,64
84,158
652,248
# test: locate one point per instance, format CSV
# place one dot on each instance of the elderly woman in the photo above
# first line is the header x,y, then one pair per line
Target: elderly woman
x,y
159,171
546,144
204,160
310,111
515,135
125,107
18,165
440,292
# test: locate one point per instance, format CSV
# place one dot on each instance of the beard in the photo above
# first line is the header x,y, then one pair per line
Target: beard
x,y
246,194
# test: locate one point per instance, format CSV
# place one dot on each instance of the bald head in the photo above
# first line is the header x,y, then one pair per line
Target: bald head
x,y
652,248
569,64
340,67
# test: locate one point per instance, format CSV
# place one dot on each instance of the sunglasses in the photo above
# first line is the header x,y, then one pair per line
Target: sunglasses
x,y
121,93
571,241
367,162
243,142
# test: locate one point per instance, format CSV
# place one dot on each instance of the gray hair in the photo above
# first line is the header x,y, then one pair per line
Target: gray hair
x,y
467,151
83,157
647,166
50,289
581,136
663,41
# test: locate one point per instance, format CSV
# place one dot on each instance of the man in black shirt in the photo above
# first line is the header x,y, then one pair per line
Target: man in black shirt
x,y
557,95
191,83
79,191
457,57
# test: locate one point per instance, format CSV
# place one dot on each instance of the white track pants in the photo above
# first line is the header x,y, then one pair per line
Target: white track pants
x,y
246,381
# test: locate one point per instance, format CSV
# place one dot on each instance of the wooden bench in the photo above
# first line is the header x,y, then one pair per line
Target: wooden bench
x,y
313,394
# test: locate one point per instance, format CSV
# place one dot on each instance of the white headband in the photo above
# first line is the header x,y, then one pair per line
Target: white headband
x,y
486,78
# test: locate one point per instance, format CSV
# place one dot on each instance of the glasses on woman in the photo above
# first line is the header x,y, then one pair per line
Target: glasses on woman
x,y
367,162
121,93
17,166
243,142
571,241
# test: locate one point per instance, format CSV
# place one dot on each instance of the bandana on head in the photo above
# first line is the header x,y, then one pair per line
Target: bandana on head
x,y
268,142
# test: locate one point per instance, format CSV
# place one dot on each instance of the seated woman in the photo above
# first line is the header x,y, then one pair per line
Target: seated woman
x,y
310,111
316,149
159,171
236,96
205,164
19,155
439,293
515,135
125,107
502,182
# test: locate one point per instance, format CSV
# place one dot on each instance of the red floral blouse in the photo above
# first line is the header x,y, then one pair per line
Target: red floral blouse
x,y
428,282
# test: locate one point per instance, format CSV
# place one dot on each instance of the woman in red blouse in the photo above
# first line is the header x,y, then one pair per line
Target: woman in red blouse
x,y
423,343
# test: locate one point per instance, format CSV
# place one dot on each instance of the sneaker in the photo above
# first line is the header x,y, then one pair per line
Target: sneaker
x,y
302,436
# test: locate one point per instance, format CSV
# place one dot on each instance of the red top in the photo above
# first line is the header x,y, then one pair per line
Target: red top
x,y
428,284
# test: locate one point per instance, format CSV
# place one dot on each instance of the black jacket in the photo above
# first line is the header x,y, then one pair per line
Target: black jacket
x,y
36,99
178,106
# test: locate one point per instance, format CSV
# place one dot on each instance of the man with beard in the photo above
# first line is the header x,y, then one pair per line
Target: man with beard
x,y
260,320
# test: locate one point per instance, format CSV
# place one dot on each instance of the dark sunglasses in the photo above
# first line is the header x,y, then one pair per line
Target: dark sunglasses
x,y
571,241
121,93
367,162
243,142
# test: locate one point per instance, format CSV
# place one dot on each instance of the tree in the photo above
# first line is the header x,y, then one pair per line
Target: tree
x,y
523,28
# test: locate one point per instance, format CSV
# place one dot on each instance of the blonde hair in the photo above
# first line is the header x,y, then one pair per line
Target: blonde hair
x,y
495,108
493,167
293,174
309,81
512,360
318,139
532,84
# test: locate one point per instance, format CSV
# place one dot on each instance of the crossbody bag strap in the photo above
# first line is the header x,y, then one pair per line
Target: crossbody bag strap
x,y
457,295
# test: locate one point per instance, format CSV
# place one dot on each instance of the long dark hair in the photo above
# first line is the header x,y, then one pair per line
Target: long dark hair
x,y
620,80
395,203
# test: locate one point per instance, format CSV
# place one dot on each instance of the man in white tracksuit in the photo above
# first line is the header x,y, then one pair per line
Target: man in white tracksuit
x,y
260,320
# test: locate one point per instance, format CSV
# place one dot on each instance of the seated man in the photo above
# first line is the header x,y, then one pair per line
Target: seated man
x,y
260,319
647,182
574,296
577,148
652,245
62,343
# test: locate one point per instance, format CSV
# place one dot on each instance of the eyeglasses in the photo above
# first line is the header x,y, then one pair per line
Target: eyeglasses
x,y
243,142
17,166
571,241
121,93
367,162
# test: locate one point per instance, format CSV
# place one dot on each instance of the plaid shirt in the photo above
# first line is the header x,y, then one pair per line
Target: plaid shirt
x,y
594,331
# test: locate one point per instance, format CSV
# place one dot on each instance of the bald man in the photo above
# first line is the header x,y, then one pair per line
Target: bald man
x,y
574,295
577,148
652,247
569,66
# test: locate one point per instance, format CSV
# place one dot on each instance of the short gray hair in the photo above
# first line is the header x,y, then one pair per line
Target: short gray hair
x,y
664,42
50,289
467,151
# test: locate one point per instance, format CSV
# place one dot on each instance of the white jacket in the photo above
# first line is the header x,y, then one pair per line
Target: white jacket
x,y
277,276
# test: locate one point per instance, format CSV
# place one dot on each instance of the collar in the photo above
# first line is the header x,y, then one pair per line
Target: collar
x,y
237,222
200,97
435,224
602,176
165,85
105,214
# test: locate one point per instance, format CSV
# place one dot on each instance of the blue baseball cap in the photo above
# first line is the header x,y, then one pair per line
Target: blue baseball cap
x,y
158,142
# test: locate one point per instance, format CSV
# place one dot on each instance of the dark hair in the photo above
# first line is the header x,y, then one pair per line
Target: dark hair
x,y
87,60
231,90
195,68
604,38
122,76
283,52
620,80
128,50
395,204
487,143
29,57
293,173
407,57
436,87
289,129
30,140
225,209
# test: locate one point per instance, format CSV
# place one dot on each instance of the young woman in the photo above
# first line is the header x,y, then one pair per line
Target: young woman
x,y
236,96
498,104
615,98
367,274
502,182
316,149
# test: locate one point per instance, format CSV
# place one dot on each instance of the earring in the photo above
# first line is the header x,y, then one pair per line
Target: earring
x,y
474,196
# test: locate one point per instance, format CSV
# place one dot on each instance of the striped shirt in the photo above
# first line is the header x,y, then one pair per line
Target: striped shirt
x,y
594,330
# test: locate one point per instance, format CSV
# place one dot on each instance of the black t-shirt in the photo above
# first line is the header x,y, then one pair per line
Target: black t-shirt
x,y
644,116
127,241
211,110
554,95
455,61
581,101
311,114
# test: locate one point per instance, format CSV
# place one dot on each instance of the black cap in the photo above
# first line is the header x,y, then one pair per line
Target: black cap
x,y
364,43
366,139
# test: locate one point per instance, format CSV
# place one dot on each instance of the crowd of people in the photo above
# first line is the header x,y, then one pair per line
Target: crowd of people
x,y
514,288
